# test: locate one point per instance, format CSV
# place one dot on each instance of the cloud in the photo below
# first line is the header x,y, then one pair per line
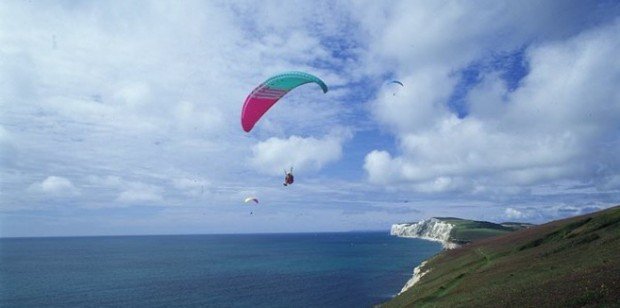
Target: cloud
x,y
7,148
55,186
542,214
138,104
550,128
127,191
155,99
310,154
141,194
409,36
511,213
192,187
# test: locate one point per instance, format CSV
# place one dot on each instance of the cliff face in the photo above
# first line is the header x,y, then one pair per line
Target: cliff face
x,y
451,232
417,274
566,263
431,229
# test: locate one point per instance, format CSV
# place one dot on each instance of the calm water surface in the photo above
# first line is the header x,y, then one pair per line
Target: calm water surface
x,y
273,270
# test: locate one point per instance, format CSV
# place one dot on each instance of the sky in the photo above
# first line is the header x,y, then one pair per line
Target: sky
x,y
123,117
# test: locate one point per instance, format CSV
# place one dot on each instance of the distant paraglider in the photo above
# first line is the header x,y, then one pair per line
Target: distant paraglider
x,y
395,86
251,199
288,177
269,92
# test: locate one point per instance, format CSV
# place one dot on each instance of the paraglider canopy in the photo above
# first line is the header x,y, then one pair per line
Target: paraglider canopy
x,y
251,199
269,92
394,86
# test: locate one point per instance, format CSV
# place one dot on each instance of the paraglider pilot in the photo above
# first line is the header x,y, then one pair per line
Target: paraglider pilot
x,y
288,177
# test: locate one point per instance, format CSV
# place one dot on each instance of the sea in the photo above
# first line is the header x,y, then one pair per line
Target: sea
x,y
353,269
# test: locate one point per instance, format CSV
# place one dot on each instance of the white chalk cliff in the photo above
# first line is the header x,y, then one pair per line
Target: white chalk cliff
x,y
417,274
431,229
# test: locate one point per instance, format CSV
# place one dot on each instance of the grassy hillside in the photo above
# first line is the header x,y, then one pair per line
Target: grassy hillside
x,y
516,225
567,263
466,231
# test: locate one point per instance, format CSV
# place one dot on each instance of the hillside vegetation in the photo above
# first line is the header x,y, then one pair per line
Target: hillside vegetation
x,y
466,231
567,263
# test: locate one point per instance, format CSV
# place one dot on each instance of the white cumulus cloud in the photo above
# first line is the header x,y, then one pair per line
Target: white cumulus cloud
x,y
55,186
275,154
511,213
560,123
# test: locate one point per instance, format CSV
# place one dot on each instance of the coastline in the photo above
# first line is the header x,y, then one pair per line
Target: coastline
x,y
417,271
451,232
431,229
417,274
573,259
445,244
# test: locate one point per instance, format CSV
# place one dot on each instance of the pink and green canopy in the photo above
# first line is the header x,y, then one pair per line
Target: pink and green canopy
x,y
269,92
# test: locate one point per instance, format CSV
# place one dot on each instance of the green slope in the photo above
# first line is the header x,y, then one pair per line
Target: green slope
x,y
466,231
573,262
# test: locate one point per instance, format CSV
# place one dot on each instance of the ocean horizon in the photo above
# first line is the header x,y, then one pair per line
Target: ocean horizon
x,y
185,234
343,269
